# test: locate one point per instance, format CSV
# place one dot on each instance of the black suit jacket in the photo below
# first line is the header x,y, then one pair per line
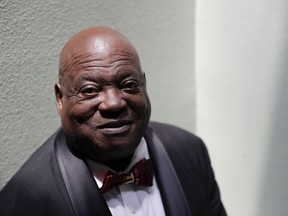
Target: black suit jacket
x,y
55,182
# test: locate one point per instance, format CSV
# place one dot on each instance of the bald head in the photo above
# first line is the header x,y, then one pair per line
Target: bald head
x,y
93,41
101,95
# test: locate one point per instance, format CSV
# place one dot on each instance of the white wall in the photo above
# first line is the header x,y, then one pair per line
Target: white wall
x,y
242,101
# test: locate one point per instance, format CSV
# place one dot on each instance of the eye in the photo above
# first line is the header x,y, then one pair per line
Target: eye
x,y
131,86
89,91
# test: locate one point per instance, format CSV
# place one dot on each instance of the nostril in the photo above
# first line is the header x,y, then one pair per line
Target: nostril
x,y
112,105
112,113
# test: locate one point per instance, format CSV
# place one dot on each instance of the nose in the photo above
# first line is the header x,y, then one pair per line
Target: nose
x,y
112,101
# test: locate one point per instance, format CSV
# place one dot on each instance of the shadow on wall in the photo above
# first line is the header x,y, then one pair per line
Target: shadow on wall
x,y
274,188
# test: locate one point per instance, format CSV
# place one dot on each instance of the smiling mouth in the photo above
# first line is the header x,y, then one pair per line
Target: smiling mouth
x,y
115,127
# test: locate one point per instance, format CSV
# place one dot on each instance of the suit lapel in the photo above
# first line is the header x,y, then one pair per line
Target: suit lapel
x,y
172,193
87,199
84,194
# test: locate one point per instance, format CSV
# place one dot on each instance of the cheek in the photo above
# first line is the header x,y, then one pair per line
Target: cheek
x,y
141,106
78,113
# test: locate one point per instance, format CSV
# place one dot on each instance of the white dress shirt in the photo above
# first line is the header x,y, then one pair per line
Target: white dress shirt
x,y
130,199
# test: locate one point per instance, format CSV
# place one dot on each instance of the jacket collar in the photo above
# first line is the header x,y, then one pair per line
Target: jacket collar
x,y
172,193
84,194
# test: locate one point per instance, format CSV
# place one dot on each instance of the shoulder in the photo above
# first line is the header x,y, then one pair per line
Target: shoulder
x,y
164,127
180,143
39,160
190,159
36,181
35,166
171,133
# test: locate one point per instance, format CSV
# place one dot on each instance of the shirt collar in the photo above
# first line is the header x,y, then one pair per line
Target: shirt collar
x,y
99,169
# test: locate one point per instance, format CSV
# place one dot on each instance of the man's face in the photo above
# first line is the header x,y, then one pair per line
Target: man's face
x,y
103,103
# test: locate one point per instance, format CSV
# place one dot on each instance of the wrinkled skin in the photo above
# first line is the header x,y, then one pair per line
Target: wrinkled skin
x,y
101,96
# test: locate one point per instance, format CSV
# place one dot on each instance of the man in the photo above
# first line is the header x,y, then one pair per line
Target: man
x,y
104,108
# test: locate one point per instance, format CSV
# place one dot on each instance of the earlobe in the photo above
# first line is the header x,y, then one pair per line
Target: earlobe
x,y
59,97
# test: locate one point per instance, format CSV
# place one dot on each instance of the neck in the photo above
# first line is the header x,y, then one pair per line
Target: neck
x,y
119,164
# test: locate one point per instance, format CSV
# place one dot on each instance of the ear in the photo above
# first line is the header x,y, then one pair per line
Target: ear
x,y
144,78
59,97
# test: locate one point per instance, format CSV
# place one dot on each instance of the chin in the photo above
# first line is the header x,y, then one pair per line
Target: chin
x,y
115,151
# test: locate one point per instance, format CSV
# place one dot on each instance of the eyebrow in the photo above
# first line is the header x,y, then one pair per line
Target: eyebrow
x,y
87,77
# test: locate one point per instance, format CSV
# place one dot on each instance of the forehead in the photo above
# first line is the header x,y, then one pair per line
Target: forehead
x,y
98,54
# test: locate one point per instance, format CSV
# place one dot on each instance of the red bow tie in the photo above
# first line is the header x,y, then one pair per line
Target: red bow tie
x,y
140,174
